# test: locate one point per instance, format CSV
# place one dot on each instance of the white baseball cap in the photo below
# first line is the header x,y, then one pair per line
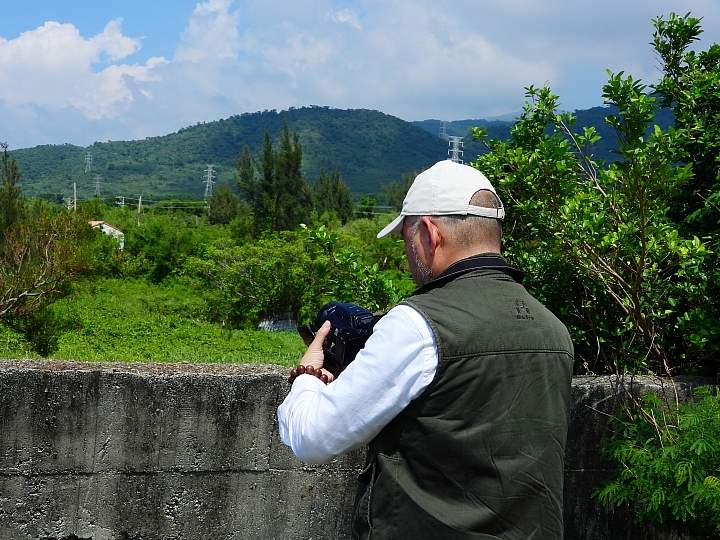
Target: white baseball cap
x,y
444,189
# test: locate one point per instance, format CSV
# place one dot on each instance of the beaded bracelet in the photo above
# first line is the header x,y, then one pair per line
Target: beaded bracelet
x,y
309,370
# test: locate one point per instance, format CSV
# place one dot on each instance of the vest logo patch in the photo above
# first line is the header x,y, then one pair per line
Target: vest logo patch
x,y
523,312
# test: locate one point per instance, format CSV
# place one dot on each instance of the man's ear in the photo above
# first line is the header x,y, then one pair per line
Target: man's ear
x,y
430,236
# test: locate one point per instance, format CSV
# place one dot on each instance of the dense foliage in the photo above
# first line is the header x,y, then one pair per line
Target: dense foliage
x,y
668,453
690,87
332,196
668,463
597,240
287,272
279,196
41,254
624,250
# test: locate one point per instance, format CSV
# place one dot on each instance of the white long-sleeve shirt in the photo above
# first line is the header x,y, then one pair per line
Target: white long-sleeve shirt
x,y
320,422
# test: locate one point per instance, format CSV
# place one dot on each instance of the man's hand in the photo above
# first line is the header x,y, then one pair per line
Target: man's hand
x,y
314,355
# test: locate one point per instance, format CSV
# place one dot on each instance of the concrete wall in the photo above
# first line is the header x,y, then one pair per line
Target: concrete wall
x,y
181,451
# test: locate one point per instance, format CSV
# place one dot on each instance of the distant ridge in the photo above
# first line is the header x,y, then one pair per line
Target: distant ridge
x,y
370,148
500,129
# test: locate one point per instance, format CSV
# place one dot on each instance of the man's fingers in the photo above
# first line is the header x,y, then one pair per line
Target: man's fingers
x,y
314,355
321,334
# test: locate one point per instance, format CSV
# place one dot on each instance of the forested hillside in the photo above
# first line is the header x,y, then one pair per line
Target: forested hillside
x,y
370,148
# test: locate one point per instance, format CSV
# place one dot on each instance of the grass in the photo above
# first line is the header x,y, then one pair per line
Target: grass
x,y
134,321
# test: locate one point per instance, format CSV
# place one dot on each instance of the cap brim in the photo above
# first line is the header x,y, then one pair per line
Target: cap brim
x,y
395,227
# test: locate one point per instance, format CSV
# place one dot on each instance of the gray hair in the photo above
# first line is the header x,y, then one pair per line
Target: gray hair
x,y
468,231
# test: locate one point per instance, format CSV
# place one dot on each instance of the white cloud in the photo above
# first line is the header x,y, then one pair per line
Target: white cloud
x,y
52,66
415,59
211,33
346,16
113,43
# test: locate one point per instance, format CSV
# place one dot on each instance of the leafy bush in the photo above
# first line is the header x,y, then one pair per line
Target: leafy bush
x,y
348,278
690,88
287,272
596,241
274,273
668,463
159,245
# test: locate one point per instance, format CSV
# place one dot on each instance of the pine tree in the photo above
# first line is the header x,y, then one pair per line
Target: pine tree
x,y
223,204
11,203
265,207
280,198
331,194
245,177
294,198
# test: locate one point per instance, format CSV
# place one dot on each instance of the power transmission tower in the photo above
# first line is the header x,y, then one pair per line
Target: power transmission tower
x,y
97,185
455,142
88,162
208,182
443,131
120,201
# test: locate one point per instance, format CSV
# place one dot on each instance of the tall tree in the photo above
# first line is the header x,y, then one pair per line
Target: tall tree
x,y
223,204
280,198
294,198
11,204
265,207
245,177
331,194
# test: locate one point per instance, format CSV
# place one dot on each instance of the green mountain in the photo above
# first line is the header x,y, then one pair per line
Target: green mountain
x,y
368,147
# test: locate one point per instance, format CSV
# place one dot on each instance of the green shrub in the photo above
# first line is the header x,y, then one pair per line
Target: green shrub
x,y
596,241
286,272
668,463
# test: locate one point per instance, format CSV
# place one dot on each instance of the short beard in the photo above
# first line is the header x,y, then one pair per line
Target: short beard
x,y
420,273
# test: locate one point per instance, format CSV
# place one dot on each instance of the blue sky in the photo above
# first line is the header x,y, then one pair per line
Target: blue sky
x,y
76,71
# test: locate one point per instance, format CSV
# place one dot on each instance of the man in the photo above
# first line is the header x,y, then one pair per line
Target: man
x,y
462,391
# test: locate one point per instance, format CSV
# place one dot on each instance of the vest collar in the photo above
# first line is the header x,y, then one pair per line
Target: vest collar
x,y
490,261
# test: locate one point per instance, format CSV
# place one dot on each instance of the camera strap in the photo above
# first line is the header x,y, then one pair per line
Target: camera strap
x,y
476,262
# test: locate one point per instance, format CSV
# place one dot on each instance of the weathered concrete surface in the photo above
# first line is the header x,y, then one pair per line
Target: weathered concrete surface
x,y
150,452
106,454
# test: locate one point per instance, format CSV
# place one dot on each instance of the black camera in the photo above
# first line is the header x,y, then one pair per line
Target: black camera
x,y
352,325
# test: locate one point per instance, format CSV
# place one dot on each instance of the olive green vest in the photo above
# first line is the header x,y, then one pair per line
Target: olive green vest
x,y
479,454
